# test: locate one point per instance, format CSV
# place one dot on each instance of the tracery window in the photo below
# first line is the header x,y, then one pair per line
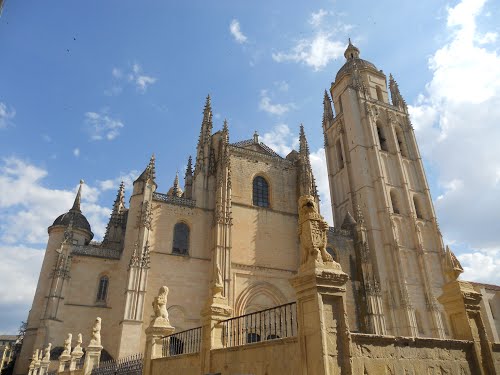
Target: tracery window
x,y
260,192
381,138
394,202
418,208
340,156
401,142
102,290
180,244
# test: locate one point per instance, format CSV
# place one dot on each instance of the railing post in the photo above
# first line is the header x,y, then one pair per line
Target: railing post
x,y
93,351
45,362
158,328
76,354
216,310
323,330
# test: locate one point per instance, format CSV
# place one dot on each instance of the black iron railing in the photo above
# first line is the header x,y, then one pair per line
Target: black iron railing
x,y
270,324
185,342
131,365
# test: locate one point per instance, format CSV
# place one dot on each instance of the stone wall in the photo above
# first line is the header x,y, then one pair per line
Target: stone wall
x,y
410,356
179,365
495,349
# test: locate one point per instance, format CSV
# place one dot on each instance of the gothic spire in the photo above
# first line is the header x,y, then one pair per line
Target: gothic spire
x,y
225,131
207,120
150,172
175,190
327,109
205,134
397,98
78,198
116,214
119,201
189,168
307,181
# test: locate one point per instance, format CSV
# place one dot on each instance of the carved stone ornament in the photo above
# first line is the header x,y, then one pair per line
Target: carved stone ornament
x,y
78,348
67,347
453,268
160,318
218,284
46,357
312,232
145,217
96,333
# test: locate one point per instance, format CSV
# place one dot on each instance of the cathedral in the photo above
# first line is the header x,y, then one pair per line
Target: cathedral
x,y
236,220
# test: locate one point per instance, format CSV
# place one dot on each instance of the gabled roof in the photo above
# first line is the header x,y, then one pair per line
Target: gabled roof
x,y
250,144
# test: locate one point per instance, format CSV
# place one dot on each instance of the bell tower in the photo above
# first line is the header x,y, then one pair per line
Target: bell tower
x,y
375,172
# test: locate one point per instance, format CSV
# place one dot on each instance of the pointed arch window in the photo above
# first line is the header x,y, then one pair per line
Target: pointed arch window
x,y
340,157
401,142
380,97
102,290
395,202
260,192
180,244
418,207
381,138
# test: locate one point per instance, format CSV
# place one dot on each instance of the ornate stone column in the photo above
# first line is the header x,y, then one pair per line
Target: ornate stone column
x,y
216,310
76,354
323,331
93,351
45,362
66,354
158,328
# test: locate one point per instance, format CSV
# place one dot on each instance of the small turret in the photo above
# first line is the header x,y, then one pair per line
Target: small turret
x,y
352,52
175,190
117,222
148,176
75,217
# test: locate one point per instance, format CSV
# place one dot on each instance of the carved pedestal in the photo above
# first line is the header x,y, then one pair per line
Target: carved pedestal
x,y
154,333
75,358
92,358
63,360
461,303
323,331
44,367
212,315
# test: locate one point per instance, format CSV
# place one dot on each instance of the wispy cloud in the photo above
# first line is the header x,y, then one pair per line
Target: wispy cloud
x,y
6,115
447,120
281,139
76,152
234,28
319,49
101,126
134,75
266,105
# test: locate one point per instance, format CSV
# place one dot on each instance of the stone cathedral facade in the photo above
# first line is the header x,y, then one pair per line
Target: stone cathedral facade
x,y
237,215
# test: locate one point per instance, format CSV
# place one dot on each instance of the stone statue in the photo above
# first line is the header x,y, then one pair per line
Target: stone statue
x,y
218,285
160,308
312,232
95,340
78,348
67,345
46,356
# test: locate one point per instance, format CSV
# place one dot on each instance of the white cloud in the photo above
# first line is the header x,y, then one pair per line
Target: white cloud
x,y
113,184
316,18
76,152
234,28
322,47
282,85
101,126
281,139
6,115
133,75
275,109
456,122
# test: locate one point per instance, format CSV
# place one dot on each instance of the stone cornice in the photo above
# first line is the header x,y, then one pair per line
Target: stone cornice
x,y
243,152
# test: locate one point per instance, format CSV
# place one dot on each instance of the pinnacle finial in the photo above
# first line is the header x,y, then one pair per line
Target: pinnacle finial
x,y
255,137
225,127
189,168
351,52
78,198
176,180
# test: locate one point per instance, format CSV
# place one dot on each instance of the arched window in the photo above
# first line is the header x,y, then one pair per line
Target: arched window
x,y
260,192
381,138
394,202
340,157
401,142
379,94
418,207
102,290
340,105
180,244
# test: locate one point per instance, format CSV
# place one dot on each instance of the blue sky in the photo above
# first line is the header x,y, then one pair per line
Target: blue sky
x,y
91,89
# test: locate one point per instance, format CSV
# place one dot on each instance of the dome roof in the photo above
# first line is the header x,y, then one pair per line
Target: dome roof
x,y
353,61
74,215
350,64
79,220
